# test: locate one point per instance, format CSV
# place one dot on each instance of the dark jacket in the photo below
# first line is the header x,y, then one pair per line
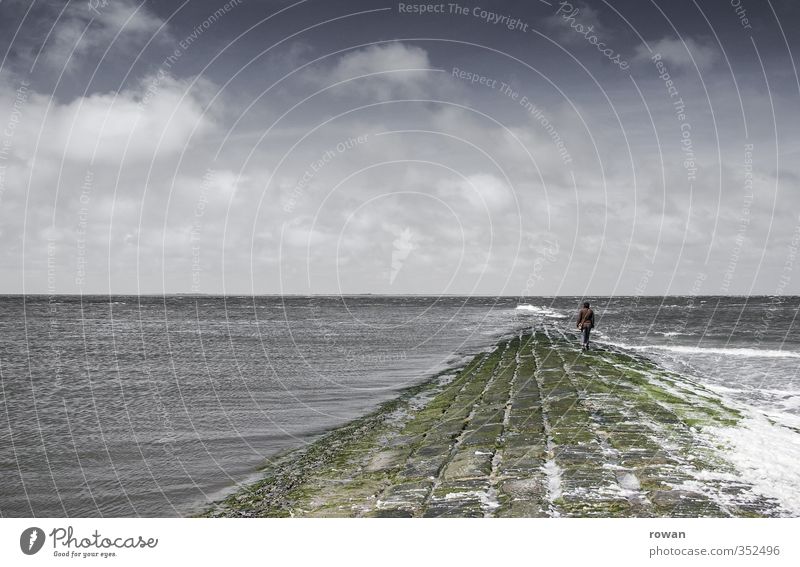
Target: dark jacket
x,y
586,318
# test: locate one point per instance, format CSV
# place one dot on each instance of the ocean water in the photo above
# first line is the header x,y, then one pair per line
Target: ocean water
x,y
154,406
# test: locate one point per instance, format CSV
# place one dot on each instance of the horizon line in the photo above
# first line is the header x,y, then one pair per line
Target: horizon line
x,y
363,294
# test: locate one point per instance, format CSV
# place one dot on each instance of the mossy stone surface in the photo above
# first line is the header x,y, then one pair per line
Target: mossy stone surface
x,y
534,428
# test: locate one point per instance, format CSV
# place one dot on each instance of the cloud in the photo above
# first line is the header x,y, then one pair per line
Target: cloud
x,y
482,191
681,54
461,188
395,69
117,128
299,233
87,27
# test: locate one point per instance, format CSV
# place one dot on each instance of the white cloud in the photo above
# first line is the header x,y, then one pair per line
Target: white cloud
x,y
484,192
681,53
396,68
227,183
113,127
299,233
83,30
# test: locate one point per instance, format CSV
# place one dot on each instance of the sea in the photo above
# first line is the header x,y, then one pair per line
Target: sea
x,y
155,406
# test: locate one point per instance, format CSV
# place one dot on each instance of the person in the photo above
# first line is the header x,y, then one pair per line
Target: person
x,y
585,324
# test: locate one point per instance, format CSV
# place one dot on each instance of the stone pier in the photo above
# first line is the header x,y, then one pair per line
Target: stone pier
x,y
534,428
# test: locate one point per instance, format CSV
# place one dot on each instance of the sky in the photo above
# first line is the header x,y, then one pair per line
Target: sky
x,y
340,147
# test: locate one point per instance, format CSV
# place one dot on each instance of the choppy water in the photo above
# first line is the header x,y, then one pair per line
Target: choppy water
x,y
151,406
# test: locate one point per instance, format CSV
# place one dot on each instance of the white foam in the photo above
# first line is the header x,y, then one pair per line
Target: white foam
x,y
720,389
767,454
540,310
629,482
486,498
744,352
792,403
553,473
779,392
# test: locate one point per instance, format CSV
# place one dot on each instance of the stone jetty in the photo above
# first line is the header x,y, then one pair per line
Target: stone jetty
x,y
533,428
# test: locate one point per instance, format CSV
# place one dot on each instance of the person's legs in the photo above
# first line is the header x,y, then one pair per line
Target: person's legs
x,y
585,337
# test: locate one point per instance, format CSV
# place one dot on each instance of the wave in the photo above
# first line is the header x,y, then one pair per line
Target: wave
x,y
790,404
766,454
745,352
540,310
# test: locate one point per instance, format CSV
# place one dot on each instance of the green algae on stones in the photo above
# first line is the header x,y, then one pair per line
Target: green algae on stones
x,y
533,428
